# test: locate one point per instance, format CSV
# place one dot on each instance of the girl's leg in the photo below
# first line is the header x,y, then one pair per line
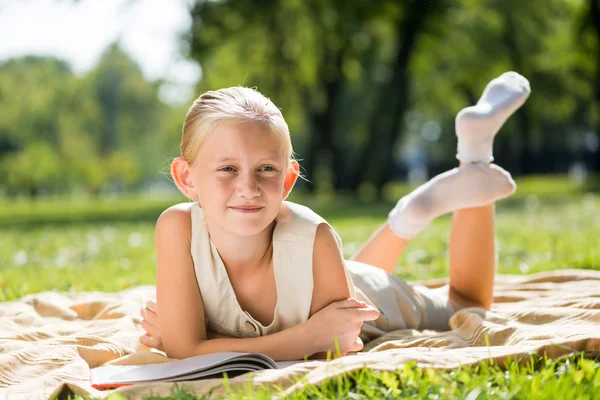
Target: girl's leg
x,y
472,257
382,249
472,240
472,186
470,194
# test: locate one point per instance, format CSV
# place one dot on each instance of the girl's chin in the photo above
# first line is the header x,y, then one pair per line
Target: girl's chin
x,y
247,227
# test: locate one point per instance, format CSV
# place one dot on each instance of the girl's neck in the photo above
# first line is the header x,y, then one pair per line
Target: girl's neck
x,y
244,254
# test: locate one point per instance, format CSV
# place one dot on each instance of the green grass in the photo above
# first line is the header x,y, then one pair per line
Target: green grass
x,y
25,212
573,377
108,245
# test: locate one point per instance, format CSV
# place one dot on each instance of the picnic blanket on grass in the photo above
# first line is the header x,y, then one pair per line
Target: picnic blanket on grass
x,y
50,340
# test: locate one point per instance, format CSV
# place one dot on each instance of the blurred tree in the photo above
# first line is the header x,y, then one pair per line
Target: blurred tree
x,y
25,100
393,97
307,56
59,132
37,167
34,104
474,42
356,80
591,23
129,116
328,60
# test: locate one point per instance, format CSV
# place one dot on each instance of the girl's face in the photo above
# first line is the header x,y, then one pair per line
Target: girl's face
x,y
239,176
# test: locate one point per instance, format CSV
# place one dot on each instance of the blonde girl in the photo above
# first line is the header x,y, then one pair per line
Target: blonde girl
x,y
241,269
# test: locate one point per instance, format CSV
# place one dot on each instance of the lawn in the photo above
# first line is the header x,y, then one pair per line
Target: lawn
x,y
108,245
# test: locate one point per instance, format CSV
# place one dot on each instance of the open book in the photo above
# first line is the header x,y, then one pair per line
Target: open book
x,y
188,369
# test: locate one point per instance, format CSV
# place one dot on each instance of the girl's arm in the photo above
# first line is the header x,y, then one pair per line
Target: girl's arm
x,y
180,306
331,285
180,310
329,275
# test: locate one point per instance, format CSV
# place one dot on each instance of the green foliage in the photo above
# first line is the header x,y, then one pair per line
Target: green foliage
x,y
361,84
60,133
330,65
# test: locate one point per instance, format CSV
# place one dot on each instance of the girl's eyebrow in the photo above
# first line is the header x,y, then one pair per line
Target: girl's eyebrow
x,y
268,158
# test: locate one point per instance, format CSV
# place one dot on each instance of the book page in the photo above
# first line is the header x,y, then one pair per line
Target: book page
x,y
189,366
285,364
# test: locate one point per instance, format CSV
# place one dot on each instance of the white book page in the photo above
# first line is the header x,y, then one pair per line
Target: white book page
x,y
285,364
139,373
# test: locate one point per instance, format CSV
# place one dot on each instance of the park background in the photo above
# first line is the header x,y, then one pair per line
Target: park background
x,y
93,95
369,89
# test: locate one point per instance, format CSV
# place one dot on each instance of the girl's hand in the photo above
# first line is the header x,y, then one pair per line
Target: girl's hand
x,y
150,324
341,321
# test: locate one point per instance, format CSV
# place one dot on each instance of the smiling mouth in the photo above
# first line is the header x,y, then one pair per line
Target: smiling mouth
x,y
247,209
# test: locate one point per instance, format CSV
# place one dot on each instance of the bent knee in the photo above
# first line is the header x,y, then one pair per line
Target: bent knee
x,y
458,301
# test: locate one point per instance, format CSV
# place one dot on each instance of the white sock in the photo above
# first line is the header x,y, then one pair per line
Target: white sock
x,y
472,185
477,125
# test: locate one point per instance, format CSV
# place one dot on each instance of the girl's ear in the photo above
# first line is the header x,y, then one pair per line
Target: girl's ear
x,y
181,173
291,176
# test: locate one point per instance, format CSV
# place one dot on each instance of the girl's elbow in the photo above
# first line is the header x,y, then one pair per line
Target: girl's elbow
x,y
182,350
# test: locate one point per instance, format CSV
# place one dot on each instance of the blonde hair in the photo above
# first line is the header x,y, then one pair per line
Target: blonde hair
x,y
233,104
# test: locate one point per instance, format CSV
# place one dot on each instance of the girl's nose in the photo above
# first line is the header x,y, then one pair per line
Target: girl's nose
x,y
247,186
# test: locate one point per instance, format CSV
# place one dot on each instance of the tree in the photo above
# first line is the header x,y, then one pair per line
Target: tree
x,y
59,132
591,22
319,51
393,99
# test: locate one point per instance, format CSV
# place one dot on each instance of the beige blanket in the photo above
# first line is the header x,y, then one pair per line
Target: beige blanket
x,y
48,341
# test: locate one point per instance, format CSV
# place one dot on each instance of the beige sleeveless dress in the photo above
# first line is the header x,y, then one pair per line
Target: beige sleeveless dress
x,y
401,306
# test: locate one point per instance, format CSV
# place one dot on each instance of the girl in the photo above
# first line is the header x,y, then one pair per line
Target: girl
x,y
242,270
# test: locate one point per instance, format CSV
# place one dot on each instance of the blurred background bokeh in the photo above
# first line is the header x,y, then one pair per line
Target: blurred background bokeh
x,y
93,93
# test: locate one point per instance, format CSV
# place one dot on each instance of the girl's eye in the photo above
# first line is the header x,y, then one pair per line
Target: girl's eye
x,y
268,168
227,169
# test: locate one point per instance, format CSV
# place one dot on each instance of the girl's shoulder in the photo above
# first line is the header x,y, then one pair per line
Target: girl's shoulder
x,y
176,217
181,207
297,213
298,223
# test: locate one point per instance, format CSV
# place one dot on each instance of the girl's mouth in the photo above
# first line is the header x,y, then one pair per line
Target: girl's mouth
x,y
247,209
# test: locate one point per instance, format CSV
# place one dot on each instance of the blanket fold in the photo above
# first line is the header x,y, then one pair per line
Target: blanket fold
x,y
50,340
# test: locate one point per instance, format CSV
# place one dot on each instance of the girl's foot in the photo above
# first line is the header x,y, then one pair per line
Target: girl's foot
x,y
472,185
477,125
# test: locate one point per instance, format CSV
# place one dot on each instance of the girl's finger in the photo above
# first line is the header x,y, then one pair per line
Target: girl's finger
x,y
151,329
149,316
357,345
349,303
151,305
144,312
365,314
150,341
148,309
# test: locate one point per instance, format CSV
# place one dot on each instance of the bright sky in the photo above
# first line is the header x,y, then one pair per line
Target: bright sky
x,y
78,32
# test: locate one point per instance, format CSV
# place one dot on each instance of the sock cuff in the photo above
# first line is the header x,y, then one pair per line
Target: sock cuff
x,y
402,228
474,159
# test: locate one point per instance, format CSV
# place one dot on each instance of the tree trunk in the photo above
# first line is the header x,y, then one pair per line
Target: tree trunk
x,y
109,101
322,141
595,18
322,137
377,157
527,159
312,152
